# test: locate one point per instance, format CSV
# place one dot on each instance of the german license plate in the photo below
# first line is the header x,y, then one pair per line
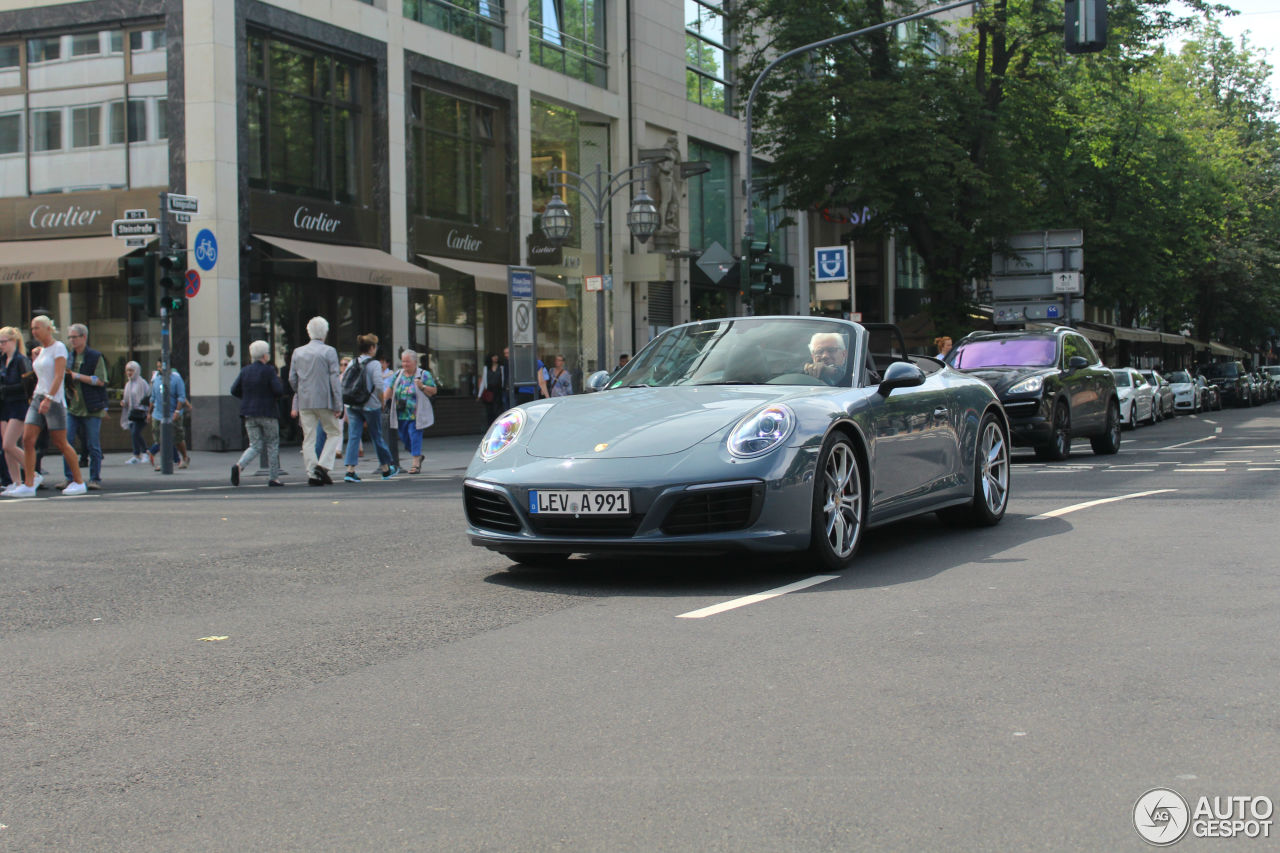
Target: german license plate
x,y
579,502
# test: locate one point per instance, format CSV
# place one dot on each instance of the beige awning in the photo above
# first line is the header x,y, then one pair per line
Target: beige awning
x,y
357,264
1096,335
1221,349
54,260
492,278
1145,336
1168,338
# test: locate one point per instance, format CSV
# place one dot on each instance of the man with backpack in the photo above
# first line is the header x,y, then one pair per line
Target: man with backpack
x,y
313,373
363,393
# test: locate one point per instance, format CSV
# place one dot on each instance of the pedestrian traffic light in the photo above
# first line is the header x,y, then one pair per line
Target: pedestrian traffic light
x,y
142,282
1086,25
760,272
173,283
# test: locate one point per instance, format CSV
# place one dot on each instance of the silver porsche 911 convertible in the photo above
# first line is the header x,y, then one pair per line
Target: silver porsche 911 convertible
x,y
766,434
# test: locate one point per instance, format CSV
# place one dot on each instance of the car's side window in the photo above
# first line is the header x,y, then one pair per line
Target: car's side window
x,y
1084,348
1069,349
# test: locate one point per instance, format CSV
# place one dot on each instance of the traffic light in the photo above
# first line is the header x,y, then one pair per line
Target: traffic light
x,y
760,272
173,283
142,282
1085,25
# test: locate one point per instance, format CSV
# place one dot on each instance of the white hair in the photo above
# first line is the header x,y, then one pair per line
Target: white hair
x,y
417,359
79,329
258,349
839,339
45,320
318,328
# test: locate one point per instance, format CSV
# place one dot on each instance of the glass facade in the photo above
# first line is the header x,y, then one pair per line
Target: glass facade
x,y
480,21
707,55
82,111
711,199
570,38
457,142
308,132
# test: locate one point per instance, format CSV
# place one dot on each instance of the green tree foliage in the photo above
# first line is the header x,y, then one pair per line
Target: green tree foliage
x,y
1167,162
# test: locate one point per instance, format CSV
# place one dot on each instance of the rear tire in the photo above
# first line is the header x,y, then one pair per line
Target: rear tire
x,y
839,512
1109,442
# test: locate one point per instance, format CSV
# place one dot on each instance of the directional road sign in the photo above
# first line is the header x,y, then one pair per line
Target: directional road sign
x,y
183,203
135,227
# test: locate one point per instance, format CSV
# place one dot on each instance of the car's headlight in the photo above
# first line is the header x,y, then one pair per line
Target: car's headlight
x,y
762,431
1028,386
502,434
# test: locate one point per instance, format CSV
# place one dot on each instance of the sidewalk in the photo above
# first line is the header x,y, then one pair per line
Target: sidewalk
x,y
447,456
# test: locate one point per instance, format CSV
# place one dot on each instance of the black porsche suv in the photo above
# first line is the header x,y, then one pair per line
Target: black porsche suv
x,y
1052,384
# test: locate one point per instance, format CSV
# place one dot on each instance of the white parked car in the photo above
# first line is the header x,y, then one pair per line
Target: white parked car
x,y
1137,399
1186,393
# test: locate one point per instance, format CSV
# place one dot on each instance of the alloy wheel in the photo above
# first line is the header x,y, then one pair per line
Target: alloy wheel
x,y
994,452
842,504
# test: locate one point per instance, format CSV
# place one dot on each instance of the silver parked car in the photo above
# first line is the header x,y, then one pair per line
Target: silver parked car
x,y
1137,400
1164,394
767,434
1186,393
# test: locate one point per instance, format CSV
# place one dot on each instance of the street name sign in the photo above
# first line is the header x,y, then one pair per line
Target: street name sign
x,y
136,213
182,203
135,227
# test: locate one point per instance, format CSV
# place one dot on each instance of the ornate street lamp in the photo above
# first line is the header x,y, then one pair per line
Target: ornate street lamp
x,y
597,189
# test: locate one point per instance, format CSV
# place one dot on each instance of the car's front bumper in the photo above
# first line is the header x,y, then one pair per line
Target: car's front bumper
x,y
1029,426
765,505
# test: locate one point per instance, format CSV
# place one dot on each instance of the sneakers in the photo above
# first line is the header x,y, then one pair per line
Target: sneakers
x,y
8,490
38,481
322,474
75,489
275,483
133,460
95,485
314,481
235,475
390,472
186,460
21,491
352,477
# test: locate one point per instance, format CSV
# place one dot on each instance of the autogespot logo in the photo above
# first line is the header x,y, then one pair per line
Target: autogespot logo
x,y
1161,816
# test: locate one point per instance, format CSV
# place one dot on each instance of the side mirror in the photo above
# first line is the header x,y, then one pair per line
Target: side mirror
x,y
597,380
1077,362
900,374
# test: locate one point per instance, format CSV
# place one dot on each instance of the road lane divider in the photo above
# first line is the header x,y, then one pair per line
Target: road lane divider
x,y
756,598
1185,443
1087,504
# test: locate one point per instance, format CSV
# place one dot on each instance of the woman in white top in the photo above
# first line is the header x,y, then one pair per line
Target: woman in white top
x,y
48,409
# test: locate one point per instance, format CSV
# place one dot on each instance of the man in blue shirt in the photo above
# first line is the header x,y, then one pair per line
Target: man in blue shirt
x,y
178,398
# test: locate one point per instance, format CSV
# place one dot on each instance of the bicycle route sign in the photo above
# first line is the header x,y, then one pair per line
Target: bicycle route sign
x,y
205,249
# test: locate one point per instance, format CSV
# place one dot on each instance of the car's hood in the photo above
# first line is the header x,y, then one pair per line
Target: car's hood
x,y
1001,379
1180,387
631,422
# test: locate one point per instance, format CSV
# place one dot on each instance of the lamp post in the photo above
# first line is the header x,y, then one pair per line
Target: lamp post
x,y
597,189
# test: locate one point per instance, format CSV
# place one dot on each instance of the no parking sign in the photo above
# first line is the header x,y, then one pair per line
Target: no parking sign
x,y
193,283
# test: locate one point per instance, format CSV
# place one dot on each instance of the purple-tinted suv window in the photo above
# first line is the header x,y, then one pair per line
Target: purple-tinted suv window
x,y
1006,352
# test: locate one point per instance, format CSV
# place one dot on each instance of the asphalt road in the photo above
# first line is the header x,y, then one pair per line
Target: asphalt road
x,y
337,669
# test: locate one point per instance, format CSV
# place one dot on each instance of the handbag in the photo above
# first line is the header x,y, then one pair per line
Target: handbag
x,y
29,382
486,396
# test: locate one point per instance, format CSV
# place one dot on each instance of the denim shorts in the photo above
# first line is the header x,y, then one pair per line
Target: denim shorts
x,y
55,418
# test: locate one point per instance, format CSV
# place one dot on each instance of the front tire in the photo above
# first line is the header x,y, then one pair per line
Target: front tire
x,y
1059,447
1109,442
839,512
990,478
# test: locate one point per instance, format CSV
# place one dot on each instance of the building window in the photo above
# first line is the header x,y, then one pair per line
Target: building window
x,y
306,126
554,136
711,199
458,170
86,127
707,54
46,130
11,133
570,38
91,116
480,21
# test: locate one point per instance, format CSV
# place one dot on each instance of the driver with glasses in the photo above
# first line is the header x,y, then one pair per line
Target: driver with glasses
x,y
827,357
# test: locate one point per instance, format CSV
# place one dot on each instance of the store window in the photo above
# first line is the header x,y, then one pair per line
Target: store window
x,y
707,54
63,102
555,146
570,38
308,132
459,171
480,21
711,199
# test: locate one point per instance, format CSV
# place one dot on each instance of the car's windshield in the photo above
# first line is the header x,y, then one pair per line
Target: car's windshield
x,y
1221,370
1179,376
1122,378
745,351
1006,352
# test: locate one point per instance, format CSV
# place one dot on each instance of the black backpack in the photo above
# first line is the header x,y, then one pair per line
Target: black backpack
x,y
355,391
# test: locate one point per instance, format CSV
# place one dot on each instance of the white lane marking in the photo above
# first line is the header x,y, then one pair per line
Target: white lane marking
x,y
1066,509
1206,420
127,494
1199,470
757,598
1193,441
1218,431
1262,469
171,491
